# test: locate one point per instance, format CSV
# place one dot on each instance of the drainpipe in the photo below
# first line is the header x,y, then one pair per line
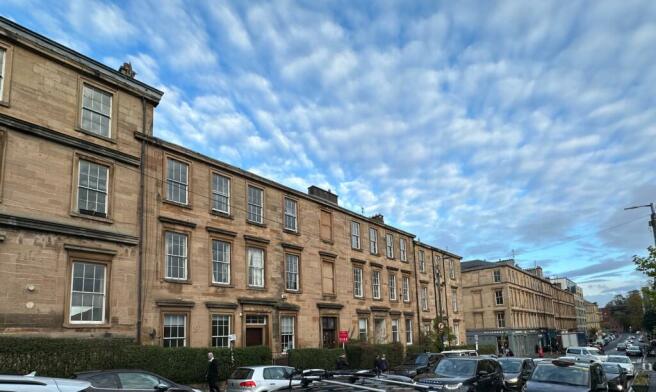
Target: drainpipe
x,y
140,217
414,262
436,292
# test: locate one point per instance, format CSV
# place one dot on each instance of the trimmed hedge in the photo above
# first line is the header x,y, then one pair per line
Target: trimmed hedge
x,y
62,357
359,356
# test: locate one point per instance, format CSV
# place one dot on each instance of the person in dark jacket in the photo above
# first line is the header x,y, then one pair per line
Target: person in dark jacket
x,y
382,366
342,363
212,373
377,365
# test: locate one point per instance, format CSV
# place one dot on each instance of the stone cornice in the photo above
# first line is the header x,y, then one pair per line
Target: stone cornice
x,y
177,222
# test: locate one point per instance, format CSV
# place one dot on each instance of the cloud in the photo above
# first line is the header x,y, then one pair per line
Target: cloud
x,y
488,129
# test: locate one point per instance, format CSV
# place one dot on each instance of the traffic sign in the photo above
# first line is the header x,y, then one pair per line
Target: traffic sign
x,y
343,336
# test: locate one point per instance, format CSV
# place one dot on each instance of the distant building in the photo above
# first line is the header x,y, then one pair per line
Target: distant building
x,y
571,286
592,316
506,305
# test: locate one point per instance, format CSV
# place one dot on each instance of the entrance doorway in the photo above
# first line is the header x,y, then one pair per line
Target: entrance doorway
x,y
256,327
329,332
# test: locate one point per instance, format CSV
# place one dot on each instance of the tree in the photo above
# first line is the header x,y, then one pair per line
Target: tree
x,y
647,265
436,337
635,311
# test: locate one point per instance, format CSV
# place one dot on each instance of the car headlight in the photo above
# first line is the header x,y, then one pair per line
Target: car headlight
x,y
453,386
512,380
196,390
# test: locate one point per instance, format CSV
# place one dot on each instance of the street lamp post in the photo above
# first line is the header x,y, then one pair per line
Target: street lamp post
x,y
652,220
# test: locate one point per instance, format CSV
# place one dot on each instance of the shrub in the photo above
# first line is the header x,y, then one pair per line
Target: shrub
x,y
314,358
63,357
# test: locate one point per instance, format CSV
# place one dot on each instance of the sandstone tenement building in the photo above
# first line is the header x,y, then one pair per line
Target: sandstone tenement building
x,y
106,230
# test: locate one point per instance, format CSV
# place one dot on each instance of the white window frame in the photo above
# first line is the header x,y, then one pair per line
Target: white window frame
x,y
294,275
217,193
357,282
255,211
178,184
3,72
456,332
252,278
375,284
85,292
452,270
289,342
177,338
97,190
220,337
424,298
396,336
496,273
497,297
218,262
355,235
402,250
501,319
108,116
391,282
406,288
364,331
184,256
290,215
422,261
389,245
408,332
454,299
373,241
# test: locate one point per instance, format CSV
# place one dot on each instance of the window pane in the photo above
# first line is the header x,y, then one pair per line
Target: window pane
x,y
87,292
96,111
220,330
221,261
255,267
177,181
291,266
221,193
174,330
290,214
255,196
176,255
92,188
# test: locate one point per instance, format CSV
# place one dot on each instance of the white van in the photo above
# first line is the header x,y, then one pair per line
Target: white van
x,y
586,354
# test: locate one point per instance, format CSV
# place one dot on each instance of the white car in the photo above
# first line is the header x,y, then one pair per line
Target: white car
x,y
585,354
460,353
260,378
624,362
31,383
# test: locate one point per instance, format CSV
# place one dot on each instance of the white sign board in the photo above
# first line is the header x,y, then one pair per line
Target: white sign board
x,y
232,337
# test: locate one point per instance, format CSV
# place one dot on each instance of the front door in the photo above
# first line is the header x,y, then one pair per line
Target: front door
x,y
254,336
329,332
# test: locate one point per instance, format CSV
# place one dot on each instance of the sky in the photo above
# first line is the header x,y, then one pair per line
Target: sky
x,y
489,129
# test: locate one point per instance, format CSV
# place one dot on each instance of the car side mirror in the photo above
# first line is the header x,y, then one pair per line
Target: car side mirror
x,y
161,387
483,373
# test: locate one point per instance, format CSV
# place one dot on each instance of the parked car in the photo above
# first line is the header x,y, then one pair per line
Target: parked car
x,y
516,371
130,379
624,362
634,351
616,376
32,383
417,364
460,353
567,376
260,378
621,346
587,354
466,374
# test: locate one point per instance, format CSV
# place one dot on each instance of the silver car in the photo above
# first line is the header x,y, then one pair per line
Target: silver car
x,y
624,362
30,383
260,378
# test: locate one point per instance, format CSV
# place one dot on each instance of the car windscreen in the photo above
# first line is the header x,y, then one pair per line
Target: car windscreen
x,y
242,374
419,360
455,368
619,360
611,368
510,366
568,375
594,351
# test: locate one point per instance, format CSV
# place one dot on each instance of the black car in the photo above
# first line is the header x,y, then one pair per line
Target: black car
x,y
617,376
417,364
516,371
567,376
132,380
466,374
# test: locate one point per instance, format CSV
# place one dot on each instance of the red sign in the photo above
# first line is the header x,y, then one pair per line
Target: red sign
x,y
343,336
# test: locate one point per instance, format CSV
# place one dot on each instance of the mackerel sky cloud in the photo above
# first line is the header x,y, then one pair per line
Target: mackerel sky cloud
x,y
485,128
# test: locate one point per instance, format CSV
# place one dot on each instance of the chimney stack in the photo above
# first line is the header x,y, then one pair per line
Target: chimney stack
x,y
126,69
378,218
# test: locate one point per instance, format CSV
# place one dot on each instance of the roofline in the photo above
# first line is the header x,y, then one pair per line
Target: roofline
x,y
25,36
241,172
494,264
436,249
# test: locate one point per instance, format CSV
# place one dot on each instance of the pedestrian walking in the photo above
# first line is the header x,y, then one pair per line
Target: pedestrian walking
x,y
384,364
212,374
377,365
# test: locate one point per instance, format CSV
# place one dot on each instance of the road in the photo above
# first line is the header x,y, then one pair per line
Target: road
x,y
611,349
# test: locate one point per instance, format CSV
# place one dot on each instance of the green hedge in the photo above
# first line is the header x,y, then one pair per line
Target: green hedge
x,y
359,356
63,357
